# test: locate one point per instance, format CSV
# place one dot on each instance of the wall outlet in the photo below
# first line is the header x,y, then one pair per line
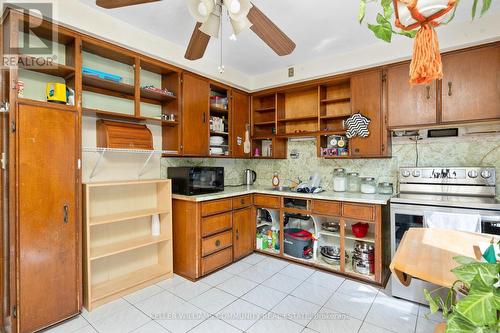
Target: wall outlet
x,y
291,71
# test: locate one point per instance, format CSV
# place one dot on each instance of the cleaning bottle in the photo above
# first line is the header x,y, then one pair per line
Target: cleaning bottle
x,y
269,239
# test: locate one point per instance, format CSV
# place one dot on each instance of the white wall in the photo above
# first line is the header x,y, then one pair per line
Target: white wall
x,y
480,31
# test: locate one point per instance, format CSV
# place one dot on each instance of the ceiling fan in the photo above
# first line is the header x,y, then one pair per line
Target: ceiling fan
x,y
208,13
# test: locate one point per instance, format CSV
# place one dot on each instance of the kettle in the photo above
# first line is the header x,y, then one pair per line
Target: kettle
x,y
250,177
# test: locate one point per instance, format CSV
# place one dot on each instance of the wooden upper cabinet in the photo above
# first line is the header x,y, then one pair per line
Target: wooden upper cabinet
x,y
241,118
409,105
471,85
366,98
195,123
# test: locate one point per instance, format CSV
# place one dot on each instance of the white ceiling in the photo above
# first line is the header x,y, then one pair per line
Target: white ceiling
x,y
320,28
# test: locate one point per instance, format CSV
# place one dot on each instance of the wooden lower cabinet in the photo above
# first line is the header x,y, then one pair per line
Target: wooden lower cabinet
x,y
204,244
210,234
243,232
47,246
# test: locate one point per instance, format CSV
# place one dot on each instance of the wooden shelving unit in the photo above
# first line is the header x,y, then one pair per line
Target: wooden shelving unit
x,y
220,108
264,124
120,253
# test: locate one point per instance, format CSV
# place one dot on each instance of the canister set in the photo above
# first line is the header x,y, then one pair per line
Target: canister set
x,y
351,182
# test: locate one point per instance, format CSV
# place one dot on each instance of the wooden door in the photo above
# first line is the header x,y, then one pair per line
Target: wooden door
x,y
366,98
241,118
471,85
243,233
408,105
48,256
195,122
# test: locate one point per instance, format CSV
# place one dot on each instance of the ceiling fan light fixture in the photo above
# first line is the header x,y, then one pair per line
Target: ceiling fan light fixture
x,y
239,26
200,9
238,9
211,26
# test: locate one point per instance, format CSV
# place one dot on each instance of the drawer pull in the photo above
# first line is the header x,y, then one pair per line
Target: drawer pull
x,y
217,243
242,201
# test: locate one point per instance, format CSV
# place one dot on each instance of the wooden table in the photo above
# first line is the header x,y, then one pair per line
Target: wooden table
x,y
427,254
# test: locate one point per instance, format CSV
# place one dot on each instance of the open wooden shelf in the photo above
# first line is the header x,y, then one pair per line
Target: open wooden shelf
x,y
119,251
156,96
118,217
127,281
219,133
336,100
340,116
369,238
129,245
59,70
46,104
298,119
266,109
108,85
264,123
217,109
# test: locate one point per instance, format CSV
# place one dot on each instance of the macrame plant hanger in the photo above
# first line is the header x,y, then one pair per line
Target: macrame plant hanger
x,y
426,65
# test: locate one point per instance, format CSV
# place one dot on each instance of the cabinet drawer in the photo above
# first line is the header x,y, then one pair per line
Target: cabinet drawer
x,y
326,207
241,202
216,242
267,201
215,206
216,260
359,211
216,223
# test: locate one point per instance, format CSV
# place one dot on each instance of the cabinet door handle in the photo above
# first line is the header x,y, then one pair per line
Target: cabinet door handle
x,y
450,88
204,117
428,88
217,243
65,213
237,234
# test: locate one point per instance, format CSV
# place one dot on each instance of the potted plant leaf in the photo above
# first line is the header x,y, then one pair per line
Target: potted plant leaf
x,y
473,302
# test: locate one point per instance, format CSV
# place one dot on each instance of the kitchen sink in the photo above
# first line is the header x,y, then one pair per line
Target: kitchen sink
x,y
281,189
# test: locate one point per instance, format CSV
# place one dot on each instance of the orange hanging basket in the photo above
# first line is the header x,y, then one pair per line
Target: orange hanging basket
x,y
426,63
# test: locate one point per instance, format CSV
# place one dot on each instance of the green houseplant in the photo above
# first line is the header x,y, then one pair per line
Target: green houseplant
x,y
383,28
473,303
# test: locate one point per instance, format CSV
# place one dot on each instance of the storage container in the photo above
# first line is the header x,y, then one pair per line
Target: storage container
x,y
339,180
368,185
353,182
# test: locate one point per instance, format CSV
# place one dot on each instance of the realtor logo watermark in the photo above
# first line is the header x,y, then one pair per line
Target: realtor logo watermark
x,y
35,46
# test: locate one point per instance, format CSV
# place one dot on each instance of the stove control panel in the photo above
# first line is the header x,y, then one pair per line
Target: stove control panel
x,y
463,176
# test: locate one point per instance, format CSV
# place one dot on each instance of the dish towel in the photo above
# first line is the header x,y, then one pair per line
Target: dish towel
x,y
460,222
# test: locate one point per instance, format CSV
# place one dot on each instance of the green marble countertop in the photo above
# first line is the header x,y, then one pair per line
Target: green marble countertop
x,y
377,199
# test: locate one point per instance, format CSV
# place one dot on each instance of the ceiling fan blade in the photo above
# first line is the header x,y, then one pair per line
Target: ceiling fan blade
x,y
197,44
109,4
263,27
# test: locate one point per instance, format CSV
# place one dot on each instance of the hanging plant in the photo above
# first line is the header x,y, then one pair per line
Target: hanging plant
x,y
417,19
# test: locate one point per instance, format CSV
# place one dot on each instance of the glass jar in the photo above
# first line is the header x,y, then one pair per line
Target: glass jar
x,y
353,182
385,188
368,185
339,180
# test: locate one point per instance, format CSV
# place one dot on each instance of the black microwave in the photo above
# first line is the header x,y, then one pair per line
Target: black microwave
x,y
196,180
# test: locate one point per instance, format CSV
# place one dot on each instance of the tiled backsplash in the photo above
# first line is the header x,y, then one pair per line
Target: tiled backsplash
x,y
464,151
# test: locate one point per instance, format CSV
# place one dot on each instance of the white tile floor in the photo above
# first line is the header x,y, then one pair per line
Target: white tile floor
x,y
256,294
